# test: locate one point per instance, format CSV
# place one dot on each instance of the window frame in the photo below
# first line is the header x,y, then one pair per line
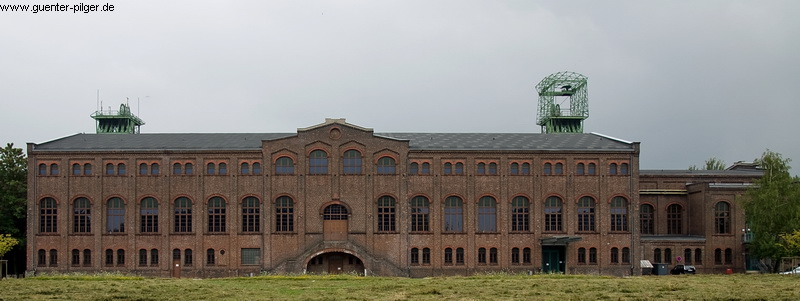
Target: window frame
x,y
148,215
217,215
487,215
553,215
587,214
251,214
352,162
420,214
318,162
520,214
386,214
453,221
619,214
284,214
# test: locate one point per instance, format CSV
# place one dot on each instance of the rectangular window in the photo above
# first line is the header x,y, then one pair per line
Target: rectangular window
x,y
251,256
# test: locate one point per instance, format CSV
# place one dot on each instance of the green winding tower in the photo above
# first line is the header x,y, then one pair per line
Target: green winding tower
x,y
117,122
563,103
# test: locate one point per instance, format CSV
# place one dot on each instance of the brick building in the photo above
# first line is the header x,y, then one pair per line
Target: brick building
x,y
337,197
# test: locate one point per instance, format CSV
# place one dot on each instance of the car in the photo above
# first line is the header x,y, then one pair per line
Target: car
x,y
683,269
795,271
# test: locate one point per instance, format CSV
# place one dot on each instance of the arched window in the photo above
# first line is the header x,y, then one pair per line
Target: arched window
x,y
142,257
579,169
177,169
722,218
552,214
526,256
668,256
413,168
284,214
318,162
619,214
216,214
487,214
87,169
626,255
482,256
657,255
687,256
53,169
448,256
481,171
187,257
728,256
76,257
42,169
76,169
223,168
581,255
592,169
210,257
352,162
154,257
614,255
674,219
493,256
109,257
718,256
87,257
453,214
460,256
492,168
414,256
548,169
559,169
211,168
515,256
284,166
514,168
698,256
256,168
115,216
245,168
420,209
143,169
183,215
646,219
459,168
448,168
42,258
154,169
109,169
48,215
426,168
520,214
612,169
586,209
189,168
121,169
426,256
251,214
53,257
623,169
176,255
82,216
386,214
526,168
386,166
335,212
148,215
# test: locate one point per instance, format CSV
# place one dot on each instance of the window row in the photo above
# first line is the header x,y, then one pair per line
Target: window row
x,y
145,257
675,215
485,256
690,256
386,217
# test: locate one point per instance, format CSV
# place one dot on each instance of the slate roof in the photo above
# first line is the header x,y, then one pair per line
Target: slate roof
x,y
698,173
417,141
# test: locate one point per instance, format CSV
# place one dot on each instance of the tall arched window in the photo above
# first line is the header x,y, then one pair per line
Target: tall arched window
x,y
183,215
284,166
552,214
667,255
211,168
674,219
586,207
42,258
657,255
216,214
386,166
223,168
722,218
646,219
414,256
448,256
189,168
520,214
515,256
256,168
460,256
76,169
614,255
154,257
592,170
211,258
580,169
619,214
318,162
143,169
420,219
148,215
626,255
386,214
612,169
352,162
87,169
48,215
109,169
53,257
559,169
121,169
623,169
251,214
245,168
426,169
142,257
492,169
515,168
459,168
453,214
154,169
284,214
481,170
526,256
698,256
42,169
448,168
115,216
581,255
548,169
413,168
487,214
82,216
87,257
177,169
493,256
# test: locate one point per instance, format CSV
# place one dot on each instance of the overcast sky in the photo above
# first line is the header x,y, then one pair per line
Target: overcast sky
x,y
688,79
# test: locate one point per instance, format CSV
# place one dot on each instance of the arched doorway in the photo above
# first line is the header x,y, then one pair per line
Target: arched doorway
x,y
334,224
335,263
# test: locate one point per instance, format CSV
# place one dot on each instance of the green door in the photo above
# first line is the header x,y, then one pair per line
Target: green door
x,y
552,260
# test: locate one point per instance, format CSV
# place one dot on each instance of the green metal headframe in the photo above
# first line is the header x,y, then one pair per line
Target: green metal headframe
x,y
563,103
117,122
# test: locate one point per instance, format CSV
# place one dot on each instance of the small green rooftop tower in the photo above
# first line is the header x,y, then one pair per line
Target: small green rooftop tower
x,y
562,103
117,122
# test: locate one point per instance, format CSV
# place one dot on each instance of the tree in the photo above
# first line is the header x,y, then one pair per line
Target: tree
x,y
6,243
13,191
772,207
711,164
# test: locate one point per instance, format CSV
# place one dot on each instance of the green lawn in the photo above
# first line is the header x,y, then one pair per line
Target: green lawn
x,y
490,287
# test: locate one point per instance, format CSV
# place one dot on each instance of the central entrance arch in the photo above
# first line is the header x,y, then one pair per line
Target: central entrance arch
x,y
334,222
335,263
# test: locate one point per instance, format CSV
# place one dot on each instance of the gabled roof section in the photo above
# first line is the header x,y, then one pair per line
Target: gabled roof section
x,y
159,142
329,121
510,141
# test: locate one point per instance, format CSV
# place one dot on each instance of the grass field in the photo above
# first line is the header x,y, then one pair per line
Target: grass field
x,y
345,287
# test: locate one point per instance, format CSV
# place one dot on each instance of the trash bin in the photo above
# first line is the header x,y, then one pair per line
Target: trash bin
x,y
729,271
660,269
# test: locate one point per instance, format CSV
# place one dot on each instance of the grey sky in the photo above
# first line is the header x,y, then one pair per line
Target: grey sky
x,y
688,79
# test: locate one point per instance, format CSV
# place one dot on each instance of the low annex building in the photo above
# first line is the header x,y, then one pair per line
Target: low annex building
x,y
337,197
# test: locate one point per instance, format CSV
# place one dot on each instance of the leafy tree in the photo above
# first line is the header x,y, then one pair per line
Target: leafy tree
x,y
772,207
711,164
6,243
13,190
791,243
